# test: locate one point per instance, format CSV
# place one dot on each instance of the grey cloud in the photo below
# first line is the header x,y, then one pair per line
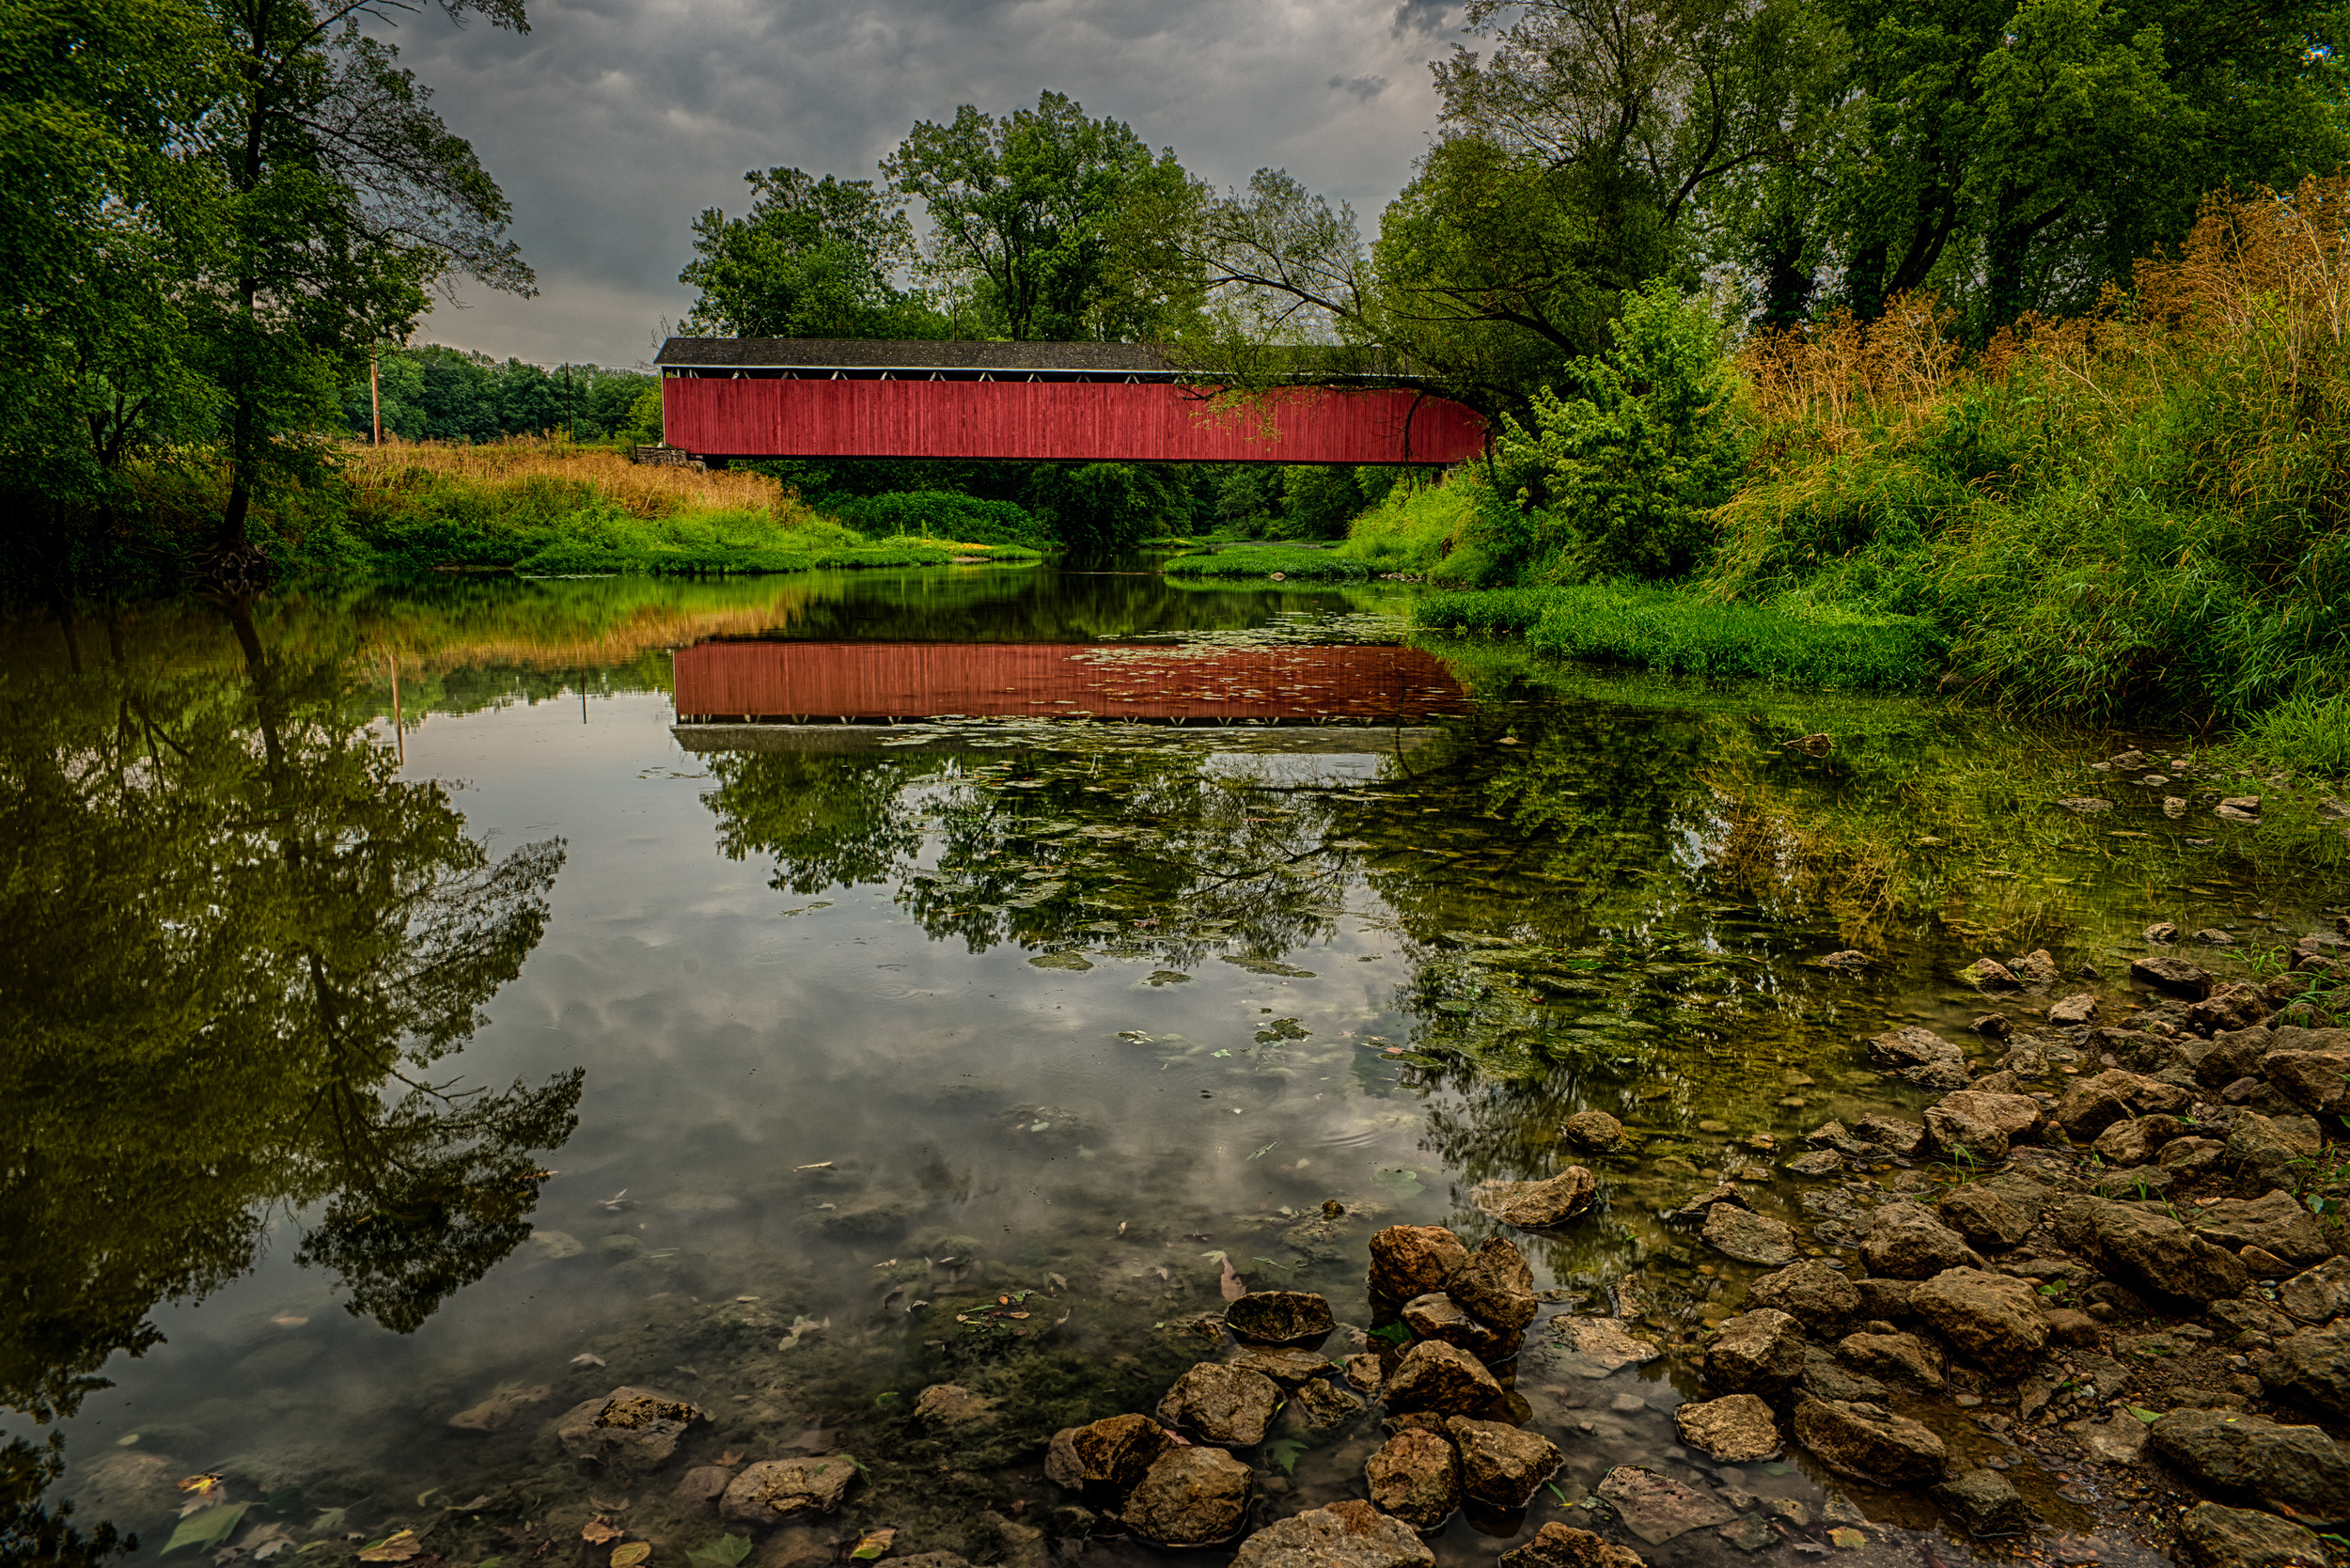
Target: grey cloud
x,y
1422,17
613,122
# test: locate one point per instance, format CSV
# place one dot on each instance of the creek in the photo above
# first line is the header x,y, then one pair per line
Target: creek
x,y
418,1031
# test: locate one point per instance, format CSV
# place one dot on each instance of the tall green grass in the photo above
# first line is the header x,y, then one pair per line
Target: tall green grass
x,y
2307,733
1681,633
1266,561
1413,530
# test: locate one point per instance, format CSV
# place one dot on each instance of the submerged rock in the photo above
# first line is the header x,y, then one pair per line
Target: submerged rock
x,y
1412,1260
1190,1497
948,1406
1556,1545
774,1490
1501,1466
1870,1442
1112,1453
1222,1405
1494,1285
1539,1205
1435,1376
500,1410
1415,1476
1737,1429
1346,1534
627,1428
698,1489
1280,1318
1984,1504
1594,1130
2212,1536
2290,1469
1601,1345
1748,1237
1656,1508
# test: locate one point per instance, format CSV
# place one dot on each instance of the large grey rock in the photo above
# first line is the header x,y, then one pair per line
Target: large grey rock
x,y
1280,1318
2320,1294
1501,1467
1494,1285
1439,1377
777,1490
1818,1296
1190,1497
2272,1222
1892,1133
1415,1476
1982,1125
2313,1367
2211,1536
1556,1545
1438,1316
1289,1368
1903,1358
1543,1205
1996,1212
2174,974
1412,1260
1108,1457
1870,1442
1349,1534
2136,1141
1737,1429
1750,1237
1824,1377
2297,1470
1919,1055
1993,1318
2150,1252
1657,1508
2091,1105
2260,1146
1906,1242
1222,1405
628,1429
1756,1353
1984,1504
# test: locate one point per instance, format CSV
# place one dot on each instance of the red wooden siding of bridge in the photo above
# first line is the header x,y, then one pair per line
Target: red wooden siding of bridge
x,y
875,680
1084,421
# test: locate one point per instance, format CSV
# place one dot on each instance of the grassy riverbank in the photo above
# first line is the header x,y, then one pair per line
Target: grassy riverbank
x,y
1269,561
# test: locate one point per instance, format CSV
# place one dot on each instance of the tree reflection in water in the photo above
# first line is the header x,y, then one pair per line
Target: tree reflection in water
x,y
241,950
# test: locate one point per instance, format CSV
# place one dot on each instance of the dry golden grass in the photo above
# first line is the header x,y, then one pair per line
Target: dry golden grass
x,y
642,490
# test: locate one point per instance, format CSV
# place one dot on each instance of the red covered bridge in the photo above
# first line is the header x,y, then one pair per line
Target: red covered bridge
x,y
1088,402
870,681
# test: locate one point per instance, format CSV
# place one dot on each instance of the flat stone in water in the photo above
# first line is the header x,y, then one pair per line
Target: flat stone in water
x,y
1657,1508
1278,1318
1601,1345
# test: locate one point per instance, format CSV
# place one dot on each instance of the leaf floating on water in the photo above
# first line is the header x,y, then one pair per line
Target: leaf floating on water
x,y
586,1358
632,1554
1847,1538
598,1530
1283,1453
202,1485
208,1528
819,1165
398,1547
1231,1285
874,1546
724,1552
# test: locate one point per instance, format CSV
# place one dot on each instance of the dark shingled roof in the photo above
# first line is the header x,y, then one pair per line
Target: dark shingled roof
x,y
851,353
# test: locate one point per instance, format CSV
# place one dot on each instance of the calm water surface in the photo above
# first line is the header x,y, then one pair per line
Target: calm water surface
x,y
370,1074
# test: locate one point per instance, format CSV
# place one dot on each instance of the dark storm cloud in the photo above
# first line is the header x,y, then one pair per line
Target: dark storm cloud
x,y
613,122
1421,15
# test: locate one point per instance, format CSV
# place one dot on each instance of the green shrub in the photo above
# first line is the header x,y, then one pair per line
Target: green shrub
x,y
946,514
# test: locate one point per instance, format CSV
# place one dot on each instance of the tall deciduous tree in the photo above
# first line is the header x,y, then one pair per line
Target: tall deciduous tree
x,y
344,199
1048,225
812,258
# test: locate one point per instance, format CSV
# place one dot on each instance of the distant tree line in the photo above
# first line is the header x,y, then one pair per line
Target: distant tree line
x,y
442,393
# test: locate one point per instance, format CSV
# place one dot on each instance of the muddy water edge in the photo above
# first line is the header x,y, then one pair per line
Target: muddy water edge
x,y
874,1105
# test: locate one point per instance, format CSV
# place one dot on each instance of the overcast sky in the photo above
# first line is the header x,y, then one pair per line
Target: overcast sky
x,y
613,122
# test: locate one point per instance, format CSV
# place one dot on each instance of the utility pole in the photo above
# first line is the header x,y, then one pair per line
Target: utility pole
x,y
375,398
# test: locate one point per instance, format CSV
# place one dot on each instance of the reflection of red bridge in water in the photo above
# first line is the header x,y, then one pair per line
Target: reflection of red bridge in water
x,y
876,681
